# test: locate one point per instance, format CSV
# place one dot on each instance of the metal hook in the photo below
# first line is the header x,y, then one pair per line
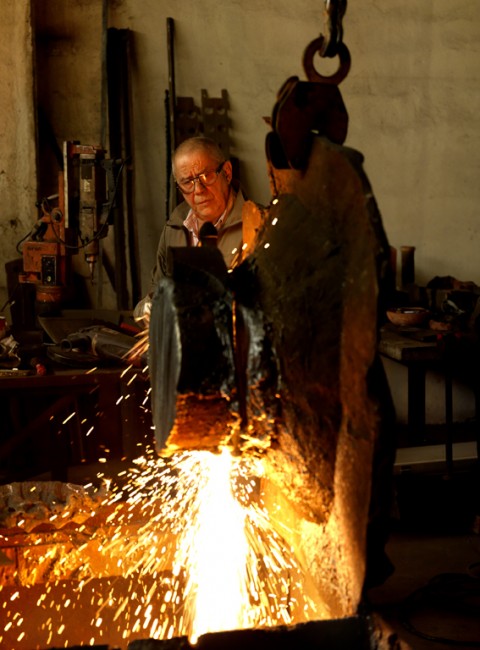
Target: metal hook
x,y
334,12
315,47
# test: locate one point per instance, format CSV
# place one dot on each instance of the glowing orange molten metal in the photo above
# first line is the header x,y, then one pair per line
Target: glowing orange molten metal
x,y
193,550
240,574
215,550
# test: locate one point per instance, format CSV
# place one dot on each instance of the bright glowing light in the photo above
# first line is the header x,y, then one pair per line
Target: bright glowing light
x,y
193,545
217,551
69,417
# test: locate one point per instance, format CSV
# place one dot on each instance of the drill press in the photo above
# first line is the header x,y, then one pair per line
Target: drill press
x,y
76,223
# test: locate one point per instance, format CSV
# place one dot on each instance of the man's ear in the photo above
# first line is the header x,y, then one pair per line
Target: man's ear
x,y
228,171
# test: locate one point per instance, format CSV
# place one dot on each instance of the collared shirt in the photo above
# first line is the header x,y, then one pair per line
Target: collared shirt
x,y
193,225
176,234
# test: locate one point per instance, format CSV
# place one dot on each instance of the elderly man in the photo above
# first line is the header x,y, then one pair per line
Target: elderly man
x,y
204,177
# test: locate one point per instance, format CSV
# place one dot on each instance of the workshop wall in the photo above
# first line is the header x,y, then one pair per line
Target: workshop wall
x,y
18,167
412,96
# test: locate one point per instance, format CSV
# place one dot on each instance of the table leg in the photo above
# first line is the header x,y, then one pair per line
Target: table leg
x,y
448,422
416,403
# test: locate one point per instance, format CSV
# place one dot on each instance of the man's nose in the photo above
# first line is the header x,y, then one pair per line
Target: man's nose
x,y
198,186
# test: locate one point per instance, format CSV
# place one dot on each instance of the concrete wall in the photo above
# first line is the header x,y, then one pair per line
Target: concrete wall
x,y
18,168
413,96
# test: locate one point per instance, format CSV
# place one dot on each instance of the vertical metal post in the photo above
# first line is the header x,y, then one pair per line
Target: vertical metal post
x,y
171,126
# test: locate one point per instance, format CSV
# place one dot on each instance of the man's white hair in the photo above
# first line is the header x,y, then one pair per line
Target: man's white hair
x,y
198,143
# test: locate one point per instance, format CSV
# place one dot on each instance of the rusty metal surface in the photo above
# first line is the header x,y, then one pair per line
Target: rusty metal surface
x,y
305,109
216,121
210,119
187,119
308,293
304,350
190,350
349,633
333,13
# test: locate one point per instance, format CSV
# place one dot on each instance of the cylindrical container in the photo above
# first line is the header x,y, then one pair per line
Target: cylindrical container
x,y
408,265
393,267
3,327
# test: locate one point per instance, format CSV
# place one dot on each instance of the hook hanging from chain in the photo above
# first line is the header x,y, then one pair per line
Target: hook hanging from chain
x,y
329,45
333,12
308,109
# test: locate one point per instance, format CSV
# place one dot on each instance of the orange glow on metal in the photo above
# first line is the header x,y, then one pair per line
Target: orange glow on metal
x,y
192,542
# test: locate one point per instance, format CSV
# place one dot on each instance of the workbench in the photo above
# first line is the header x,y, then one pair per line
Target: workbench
x,y
68,417
421,351
417,356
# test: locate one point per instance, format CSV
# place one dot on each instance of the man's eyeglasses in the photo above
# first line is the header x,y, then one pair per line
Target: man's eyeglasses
x,y
206,179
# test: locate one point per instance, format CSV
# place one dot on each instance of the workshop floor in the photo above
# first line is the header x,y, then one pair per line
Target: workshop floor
x,y
423,601
432,600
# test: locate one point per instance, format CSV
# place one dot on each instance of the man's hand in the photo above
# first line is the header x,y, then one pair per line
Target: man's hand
x,y
141,313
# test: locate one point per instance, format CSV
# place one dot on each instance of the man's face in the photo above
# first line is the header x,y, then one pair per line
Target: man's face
x,y
208,203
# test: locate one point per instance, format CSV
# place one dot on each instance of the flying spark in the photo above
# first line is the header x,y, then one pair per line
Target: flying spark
x,y
188,548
